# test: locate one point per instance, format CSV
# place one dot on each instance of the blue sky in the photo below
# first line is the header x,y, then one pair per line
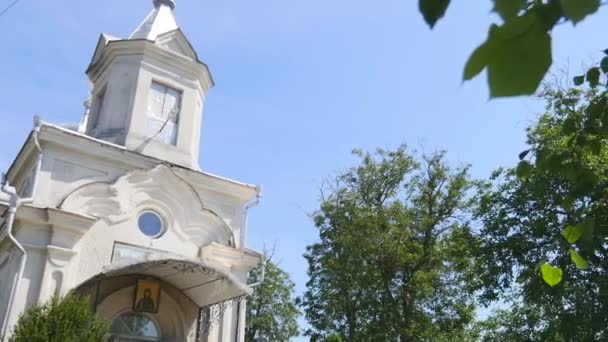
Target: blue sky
x,y
299,84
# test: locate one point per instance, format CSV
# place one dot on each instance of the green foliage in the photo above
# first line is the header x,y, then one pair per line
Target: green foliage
x,y
334,338
577,10
394,258
521,38
433,10
603,65
572,149
517,53
61,320
551,275
547,227
508,9
572,234
593,77
517,324
524,168
578,260
578,80
271,309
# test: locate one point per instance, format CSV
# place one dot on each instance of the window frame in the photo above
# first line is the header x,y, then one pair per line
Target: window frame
x,y
96,108
115,337
167,88
163,224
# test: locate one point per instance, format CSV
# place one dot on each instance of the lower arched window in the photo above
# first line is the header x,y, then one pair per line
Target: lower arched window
x,y
132,327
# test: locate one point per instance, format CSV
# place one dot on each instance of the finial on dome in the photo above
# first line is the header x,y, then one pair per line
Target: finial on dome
x,y
169,3
159,21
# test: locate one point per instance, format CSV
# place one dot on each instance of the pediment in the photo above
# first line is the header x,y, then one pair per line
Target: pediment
x,y
176,42
160,188
102,42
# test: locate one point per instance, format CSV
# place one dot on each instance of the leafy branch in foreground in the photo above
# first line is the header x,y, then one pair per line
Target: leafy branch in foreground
x,y
517,52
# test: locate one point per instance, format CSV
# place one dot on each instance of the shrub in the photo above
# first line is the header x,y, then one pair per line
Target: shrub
x,y
66,319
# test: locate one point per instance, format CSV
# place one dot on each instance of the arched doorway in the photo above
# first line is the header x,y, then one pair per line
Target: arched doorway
x,y
174,314
134,327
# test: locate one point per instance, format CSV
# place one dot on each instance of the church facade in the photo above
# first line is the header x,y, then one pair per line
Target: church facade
x,y
117,208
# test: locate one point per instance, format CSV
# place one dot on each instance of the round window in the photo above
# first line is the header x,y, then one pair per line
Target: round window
x,y
150,224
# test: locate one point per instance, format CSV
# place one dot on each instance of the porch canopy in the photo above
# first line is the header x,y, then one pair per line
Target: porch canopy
x,y
203,283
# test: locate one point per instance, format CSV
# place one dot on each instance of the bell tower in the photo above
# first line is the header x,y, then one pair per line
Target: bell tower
x,y
148,91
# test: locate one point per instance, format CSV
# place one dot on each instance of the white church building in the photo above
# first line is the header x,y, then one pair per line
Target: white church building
x,y
118,209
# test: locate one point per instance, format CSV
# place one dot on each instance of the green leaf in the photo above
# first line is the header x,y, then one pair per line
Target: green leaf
x,y
524,168
478,60
577,10
578,80
521,56
572,234
593,76
568,203
595,146
433,10
508,8
523,154
597,107
578,260
604,65
551,275
587,227
569,125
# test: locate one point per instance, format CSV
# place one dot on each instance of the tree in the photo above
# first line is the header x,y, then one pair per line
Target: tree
x,y
547,217
271,310
516,324
393,258
66,319
582,127
517,53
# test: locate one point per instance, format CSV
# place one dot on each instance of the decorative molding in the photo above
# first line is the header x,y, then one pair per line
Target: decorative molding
x,y
149,48
52,216
176,42
159,188
100,149
33,247
70,172
58,256
67,227
232,258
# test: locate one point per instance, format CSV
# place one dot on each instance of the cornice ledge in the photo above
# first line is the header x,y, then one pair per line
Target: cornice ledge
x,y
71,221
59,256
147,47
233,258
52,216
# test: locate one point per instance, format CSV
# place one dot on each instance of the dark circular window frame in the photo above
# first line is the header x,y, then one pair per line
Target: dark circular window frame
x,y
163,226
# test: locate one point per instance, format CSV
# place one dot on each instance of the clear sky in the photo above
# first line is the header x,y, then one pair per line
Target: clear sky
x,y
299,84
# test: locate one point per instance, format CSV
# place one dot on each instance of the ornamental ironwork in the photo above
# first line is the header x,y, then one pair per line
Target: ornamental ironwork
x,y
210,315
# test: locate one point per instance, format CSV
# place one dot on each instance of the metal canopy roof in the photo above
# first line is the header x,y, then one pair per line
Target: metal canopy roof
x,y
204,284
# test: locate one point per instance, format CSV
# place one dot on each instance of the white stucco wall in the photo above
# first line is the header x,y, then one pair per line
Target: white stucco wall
x,y
88,198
